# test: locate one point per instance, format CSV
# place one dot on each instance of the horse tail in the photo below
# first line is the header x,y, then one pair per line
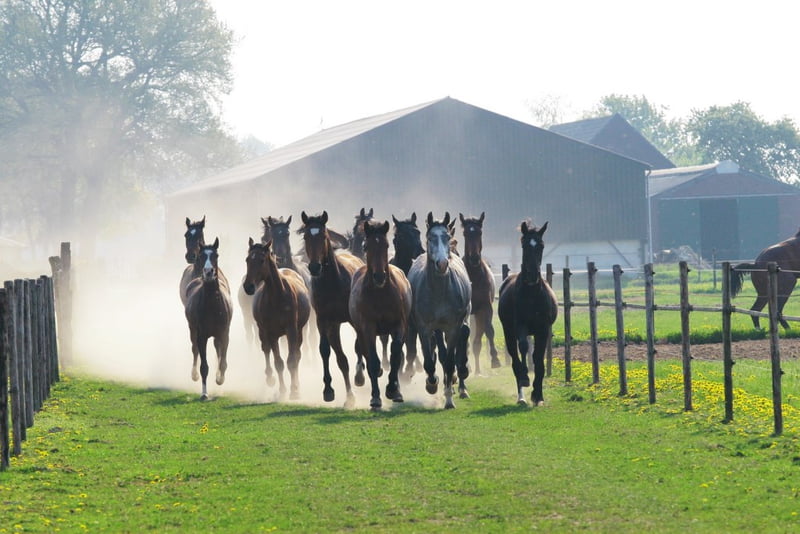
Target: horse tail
x,y
737,277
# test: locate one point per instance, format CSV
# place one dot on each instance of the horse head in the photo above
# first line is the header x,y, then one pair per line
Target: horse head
x,y
279,235
356,237
438,237
258,255
317,242
194,238
376,247
473,238
407,240
532,249
207,260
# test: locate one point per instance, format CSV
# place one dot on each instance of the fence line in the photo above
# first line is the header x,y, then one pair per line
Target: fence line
x,y
685,308
34,325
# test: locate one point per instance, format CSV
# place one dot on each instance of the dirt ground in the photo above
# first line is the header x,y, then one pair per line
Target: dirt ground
x,y
759,349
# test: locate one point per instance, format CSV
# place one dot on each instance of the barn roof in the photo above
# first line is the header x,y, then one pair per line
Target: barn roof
x,y
714,180
614,133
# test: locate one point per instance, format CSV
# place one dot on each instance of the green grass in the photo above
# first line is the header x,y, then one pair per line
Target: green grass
x,y
107,457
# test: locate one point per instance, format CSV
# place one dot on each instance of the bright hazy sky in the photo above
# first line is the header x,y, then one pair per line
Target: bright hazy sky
x,y
300,65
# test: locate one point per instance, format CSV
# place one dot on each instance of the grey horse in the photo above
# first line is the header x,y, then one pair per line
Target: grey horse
x,y
441,309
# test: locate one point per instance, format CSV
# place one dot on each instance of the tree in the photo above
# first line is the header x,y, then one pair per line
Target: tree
x,y
735,132
99,96
667,135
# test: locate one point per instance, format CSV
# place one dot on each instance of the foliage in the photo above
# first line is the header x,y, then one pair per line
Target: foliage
x,y
95,94
736,133
489,465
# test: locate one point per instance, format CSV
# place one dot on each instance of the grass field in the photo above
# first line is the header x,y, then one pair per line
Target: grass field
x,y
108,457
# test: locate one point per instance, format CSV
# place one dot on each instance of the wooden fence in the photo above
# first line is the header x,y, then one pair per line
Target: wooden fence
x,y
34,327
685,308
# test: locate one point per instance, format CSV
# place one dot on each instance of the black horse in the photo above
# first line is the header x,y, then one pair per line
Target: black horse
x,y
787,255
528,306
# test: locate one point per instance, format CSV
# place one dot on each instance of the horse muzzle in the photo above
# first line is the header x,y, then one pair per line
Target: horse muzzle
x,y
473,260
379,278
315,268
249,288
442,265
209,275
191,257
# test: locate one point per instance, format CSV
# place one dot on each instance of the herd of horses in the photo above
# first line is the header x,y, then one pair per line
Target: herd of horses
x,y
429,297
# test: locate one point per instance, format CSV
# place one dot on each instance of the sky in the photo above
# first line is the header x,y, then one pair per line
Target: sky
x,y
302,65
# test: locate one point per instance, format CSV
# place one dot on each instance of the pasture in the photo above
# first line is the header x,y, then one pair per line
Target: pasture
x,y
109,457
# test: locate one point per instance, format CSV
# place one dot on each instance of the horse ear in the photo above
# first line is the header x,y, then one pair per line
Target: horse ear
x,y
414,217
324,217
371,211
447,218
483,214
394,220
461,217
524,227
304,217
188,222
268,244
289,220
203,222
216,243
385,227
266,222
430,219
250,242
543,228
361,213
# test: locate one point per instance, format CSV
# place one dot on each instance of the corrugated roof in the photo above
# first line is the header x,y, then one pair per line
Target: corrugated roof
x,y
716,180
665,179
300,149
585,130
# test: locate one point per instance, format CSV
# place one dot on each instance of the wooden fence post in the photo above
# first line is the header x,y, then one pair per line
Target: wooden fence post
x,y
5,446
727,356
17,389
27,349
549,359
774,350
618,307
64,294
650,309
591,271
567,327
685,333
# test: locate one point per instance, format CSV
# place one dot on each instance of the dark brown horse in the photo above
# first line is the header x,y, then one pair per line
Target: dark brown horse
x,y
281,307
208,312
528,307
380,304
787,255
331,276
483,289
356,236
194,241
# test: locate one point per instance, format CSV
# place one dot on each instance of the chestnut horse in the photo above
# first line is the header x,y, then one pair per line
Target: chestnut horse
x,y
208,312
441,307
281,307
380,304
527,307
331,276
787,255
483,289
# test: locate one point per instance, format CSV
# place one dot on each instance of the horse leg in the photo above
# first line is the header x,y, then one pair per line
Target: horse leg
x,y
412,362
477,328
518,349
374,369
489,329
539,348
344,366
295,341
757,306
447,358
361,355
279,367
385,353
201,347
221,346
786,283
266,348
195,354
462,360
328,394
393,386
432,381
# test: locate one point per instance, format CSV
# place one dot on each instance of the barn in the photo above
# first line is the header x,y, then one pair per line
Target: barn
x,y
437,156
721,210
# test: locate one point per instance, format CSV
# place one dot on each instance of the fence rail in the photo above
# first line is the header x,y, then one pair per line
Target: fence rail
x,y
34,325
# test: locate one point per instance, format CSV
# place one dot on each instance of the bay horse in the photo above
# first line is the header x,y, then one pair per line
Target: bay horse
x,y
281,307
194,241
442,296
528,307
407,246
787,255
483,288
356,236
208,311
331,277
380,304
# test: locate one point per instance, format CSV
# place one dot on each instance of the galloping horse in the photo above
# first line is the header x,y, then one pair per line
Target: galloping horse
x,y
483,289
380,304
281,307
331,276
528,306
787,255
407,246
441,307
194,241
209,312
356,236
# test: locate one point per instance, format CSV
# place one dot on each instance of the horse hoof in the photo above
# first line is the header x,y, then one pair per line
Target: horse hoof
x,y
271,381
496,363
203,397
463,394
522,402
358,380
195,376
294,395
220,378
375,404
328,395
350,402
449,404
432,386
524,381
397,398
